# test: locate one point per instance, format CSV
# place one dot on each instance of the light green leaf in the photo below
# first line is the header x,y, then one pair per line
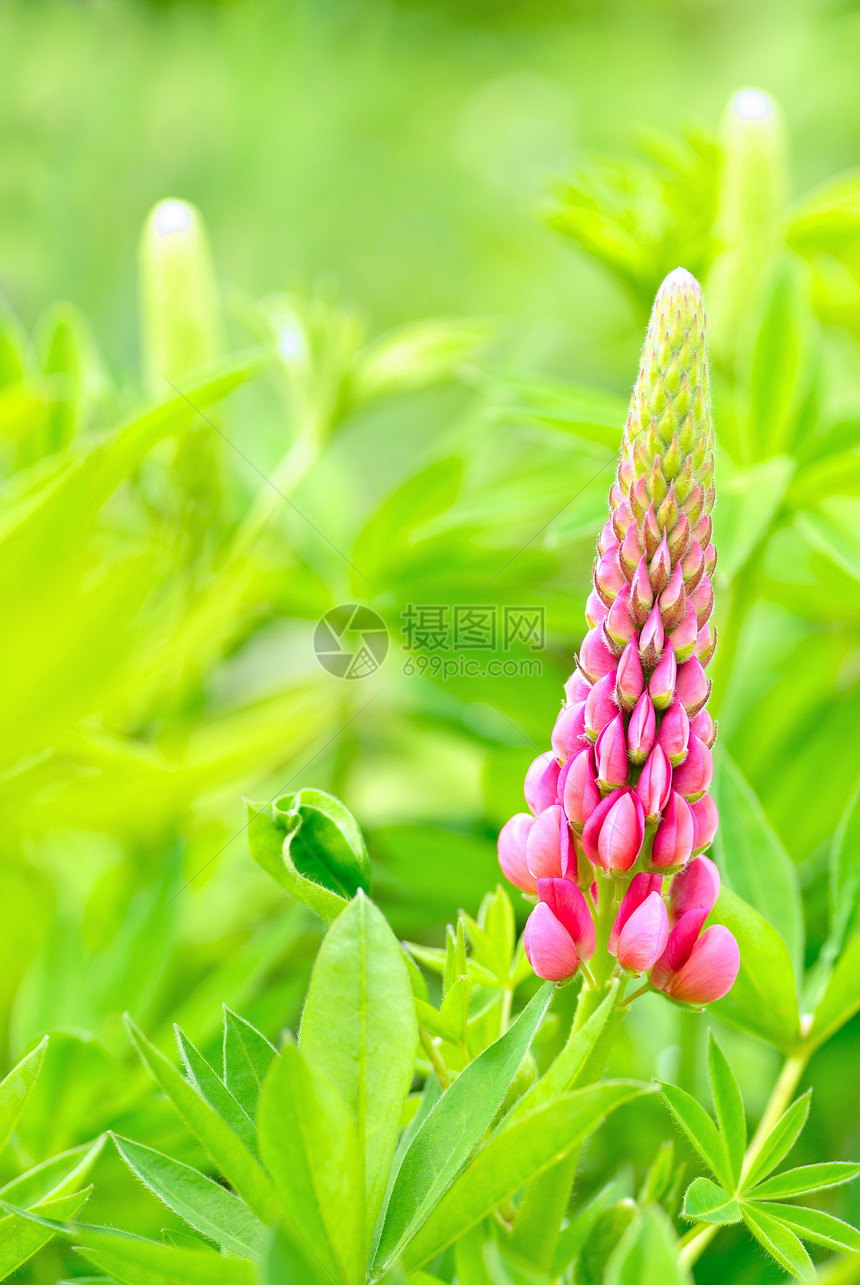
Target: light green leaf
x,y
830,527
16,1089
845,878
325,842
701,1131
705,1202
796,1182
513,1157
749,500
287,1263
55,1177
454,1128
780,1242
779,1141
449,1021
247,1058
232,1157
20,1238
841,998
754,862
359,1028
763,999
572,1237
310,1146
268,840
729,1106
210,1086
812,1224
779,366
648,1254
205,1205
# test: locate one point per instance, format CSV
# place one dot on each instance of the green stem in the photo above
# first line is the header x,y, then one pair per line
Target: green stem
x,y
698,1238
435,1059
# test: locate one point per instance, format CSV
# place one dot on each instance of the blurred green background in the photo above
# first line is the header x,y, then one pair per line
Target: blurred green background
x,y
522,175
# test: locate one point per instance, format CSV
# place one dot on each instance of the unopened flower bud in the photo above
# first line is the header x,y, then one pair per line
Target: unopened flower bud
x,y
674,732
704,727
613,834
692,686
641,594
570,908
661,684
654,784
552,930
595,658
619,626
512,852
707,819
629,679
569,731
643,937
610,754
693,565
595,610
541,784
683,636
673,842
607,537
631,548
609,577
651,638
695,774
673,599
549,851
660,567
640,887
694,969
578,788
600,706
702,599
695,888
706,641
651,532
641,732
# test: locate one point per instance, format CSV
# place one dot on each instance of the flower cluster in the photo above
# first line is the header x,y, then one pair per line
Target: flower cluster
x,y
623,793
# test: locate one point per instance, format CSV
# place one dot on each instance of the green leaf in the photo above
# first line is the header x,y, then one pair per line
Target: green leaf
x,y
753,860
648,1254
514,1156
232,1157
325,841
700,1130
845,876
763,999
205,1205
310,1146
287,1263
55,1177
796,1182
268,840
572,1237
780,1242
779,1141
21,1238
134,1261
247,1058
812,1224
729,1106
705,1202
603,1240
448,1022
779,365
841,998
210,1086
16,1089
749,500
454,1128
359,1028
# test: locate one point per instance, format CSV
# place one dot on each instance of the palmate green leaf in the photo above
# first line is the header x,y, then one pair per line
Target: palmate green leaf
x,y
763,999
454,1128
812,1224
754,862
797,1182
359,1028
234,1160
247,1058
701,1131
513,1157
779,1141
205,1205
705,1202
20,1238
210,1086
16,1088
55,1177
729,1106
648,1254
311,1147
779,1241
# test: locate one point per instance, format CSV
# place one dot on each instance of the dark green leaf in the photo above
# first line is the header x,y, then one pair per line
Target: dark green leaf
x,y
729,1106
779,1141
701,1131
780,1242
796,1182
705,1202
454,1128
247,1058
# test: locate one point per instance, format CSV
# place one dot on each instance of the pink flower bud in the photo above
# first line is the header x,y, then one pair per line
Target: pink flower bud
x,y
607,537
674,732
706,641
680,540
612,836
707,819
695,774
541,784
702,599
673,842
651,638
673,599
641,731
640,888
643,938
682,935
629,679
619,626
569,731
631,549
695,888
578,788
651,530
622,518
595,658
704,727
600,706
570,908
693,686
710,559
610,754
693,565
512,852
702,532
595,610
683,636
655,783
641,594
549,851
639,498
661,567
661,685
609,577
549,946
703,973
